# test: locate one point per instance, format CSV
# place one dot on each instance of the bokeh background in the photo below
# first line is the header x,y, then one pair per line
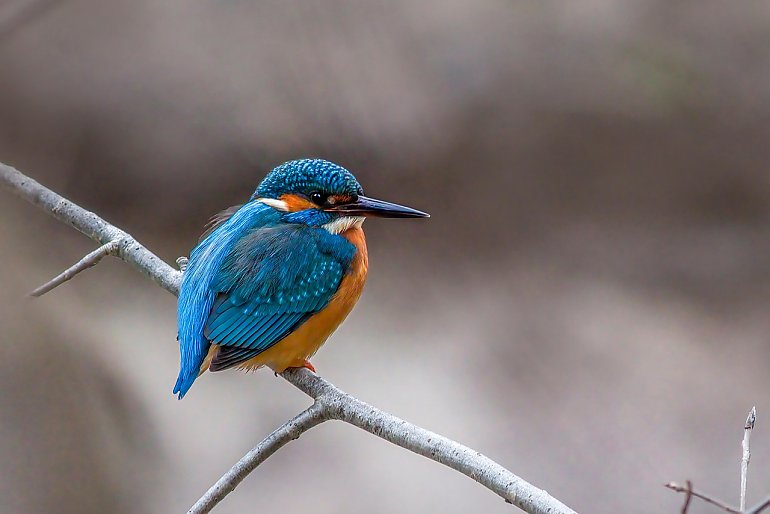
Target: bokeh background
x,y
588,304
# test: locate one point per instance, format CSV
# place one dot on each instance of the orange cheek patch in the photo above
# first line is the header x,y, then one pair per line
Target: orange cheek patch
x,y
297,203
339,199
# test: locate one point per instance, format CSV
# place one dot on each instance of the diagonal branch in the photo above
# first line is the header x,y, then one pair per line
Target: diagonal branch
x,y
330,402
89,261
759,507
482,469
289,431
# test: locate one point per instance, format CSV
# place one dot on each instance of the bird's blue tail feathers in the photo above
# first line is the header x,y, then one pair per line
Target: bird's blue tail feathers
x,y
183,383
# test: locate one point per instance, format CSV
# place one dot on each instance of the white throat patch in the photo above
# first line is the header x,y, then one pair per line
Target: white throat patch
x,y
344,223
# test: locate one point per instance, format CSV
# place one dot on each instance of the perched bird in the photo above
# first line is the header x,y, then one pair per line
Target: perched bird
x,y
272,279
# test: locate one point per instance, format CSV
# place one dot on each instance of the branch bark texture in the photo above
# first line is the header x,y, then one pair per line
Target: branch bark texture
x,y
330,403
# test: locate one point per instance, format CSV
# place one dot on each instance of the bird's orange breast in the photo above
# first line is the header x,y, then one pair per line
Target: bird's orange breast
x,y
300,345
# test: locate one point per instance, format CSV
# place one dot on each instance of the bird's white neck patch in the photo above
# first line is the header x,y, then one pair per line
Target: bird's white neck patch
x,y
343,224
278,205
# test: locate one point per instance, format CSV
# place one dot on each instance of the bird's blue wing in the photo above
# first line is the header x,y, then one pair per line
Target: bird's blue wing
x,y
195,294
274,279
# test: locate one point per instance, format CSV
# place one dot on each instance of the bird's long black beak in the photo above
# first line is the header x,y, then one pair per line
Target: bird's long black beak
x,y
364,206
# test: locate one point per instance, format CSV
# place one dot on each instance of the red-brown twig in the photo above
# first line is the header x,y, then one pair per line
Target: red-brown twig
x,y
688,489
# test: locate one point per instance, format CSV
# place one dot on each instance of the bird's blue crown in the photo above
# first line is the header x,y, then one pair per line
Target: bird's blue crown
x,y
305,176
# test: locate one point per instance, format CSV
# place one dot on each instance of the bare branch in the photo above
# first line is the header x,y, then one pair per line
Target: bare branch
x,y
344,407
89,261
331,402
746,445
92,226
688,489
289,431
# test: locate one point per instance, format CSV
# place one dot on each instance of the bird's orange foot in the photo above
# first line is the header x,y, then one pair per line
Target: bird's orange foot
x,y
303,364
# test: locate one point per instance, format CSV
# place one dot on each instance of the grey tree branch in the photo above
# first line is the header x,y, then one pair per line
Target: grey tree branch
x,y
289,431
330,402
343,407
92,226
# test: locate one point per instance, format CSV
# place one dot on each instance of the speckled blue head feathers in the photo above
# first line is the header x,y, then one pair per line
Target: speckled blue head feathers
x,y
304,176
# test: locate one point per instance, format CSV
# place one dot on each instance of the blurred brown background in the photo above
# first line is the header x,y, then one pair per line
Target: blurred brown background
x,y
588,304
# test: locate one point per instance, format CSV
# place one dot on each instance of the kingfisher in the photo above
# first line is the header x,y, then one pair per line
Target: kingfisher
x,y
270,280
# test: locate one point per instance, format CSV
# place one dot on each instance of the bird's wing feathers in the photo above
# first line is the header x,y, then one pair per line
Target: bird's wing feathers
x,y
195,294
274,279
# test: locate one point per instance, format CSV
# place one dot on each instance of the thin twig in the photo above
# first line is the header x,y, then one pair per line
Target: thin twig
x,y
759,507
687,497
287,432
89,261
746,445
335,403
690,491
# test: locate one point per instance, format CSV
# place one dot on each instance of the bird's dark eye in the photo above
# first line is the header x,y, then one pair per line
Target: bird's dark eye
x,y
318,198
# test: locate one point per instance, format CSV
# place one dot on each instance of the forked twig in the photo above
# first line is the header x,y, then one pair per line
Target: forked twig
x,y
746,457
691,492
